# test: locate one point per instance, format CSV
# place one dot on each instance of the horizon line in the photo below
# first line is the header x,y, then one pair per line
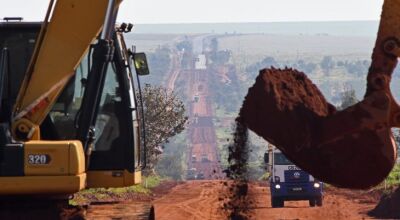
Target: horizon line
x,y
255,22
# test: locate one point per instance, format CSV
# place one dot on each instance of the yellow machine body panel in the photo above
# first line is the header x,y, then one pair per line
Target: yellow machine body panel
x,y
50,167
30,185
115,178
58,158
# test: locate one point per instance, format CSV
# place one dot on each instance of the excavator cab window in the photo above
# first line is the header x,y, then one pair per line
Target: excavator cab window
x,y
61,121
107,123
19,39
116,145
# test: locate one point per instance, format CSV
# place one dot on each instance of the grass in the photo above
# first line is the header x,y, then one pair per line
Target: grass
x,y
152,181
145,187
221,112
223,134
392,180
96,194
264,177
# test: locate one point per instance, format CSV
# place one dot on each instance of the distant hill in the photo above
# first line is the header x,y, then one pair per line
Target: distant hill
x,y
337,28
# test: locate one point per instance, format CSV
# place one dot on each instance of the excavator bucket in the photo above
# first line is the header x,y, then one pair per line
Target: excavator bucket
x,y
352,148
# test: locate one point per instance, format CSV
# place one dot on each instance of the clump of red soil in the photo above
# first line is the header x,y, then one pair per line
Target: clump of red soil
x,y
283,106
388,206
289,111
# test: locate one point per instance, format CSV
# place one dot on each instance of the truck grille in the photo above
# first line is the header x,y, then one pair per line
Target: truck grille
x,y
296,176
295,188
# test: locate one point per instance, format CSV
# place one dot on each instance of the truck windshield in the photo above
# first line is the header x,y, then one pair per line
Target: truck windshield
x,y
280,159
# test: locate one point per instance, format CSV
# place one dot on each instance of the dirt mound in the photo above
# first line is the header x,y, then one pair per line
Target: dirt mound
x,y
388,206
288,110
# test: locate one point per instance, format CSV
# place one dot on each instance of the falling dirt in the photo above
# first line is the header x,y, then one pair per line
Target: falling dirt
x,y
238,201
288,110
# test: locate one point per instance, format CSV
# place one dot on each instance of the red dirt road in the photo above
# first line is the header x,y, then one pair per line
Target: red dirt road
x,y
121,210
204,200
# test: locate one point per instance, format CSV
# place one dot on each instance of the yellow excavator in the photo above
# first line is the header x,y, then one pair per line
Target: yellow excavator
x,y
69,115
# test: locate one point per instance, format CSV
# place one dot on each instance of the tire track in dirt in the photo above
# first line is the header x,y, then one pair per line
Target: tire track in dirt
x,y
193,200
120,210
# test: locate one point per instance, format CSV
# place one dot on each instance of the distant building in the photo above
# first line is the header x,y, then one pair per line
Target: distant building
x,y
200,62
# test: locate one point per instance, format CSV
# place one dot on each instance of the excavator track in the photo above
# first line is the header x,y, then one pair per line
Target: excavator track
x,y
40,208
51,209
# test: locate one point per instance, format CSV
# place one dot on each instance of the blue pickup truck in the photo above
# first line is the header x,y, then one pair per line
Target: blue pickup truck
x,y
288,182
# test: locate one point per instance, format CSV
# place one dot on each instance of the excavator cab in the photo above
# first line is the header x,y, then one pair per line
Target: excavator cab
x,y
115,158
17,42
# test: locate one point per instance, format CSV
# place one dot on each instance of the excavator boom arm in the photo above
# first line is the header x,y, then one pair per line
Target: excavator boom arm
x,y
384,57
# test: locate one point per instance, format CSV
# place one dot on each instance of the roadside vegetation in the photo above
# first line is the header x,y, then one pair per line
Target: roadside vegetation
x,y
165,117
172,163
392,181
144,189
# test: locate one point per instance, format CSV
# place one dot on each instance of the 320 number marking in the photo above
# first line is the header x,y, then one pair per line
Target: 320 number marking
x,y
38,159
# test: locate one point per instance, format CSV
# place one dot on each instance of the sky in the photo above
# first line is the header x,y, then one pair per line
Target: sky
x,y
210,11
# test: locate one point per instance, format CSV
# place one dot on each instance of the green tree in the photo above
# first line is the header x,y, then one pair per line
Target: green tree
x,y
396,135
305,67
172,164
267,62
327,64
214,44
165,117
160,62
221,57
348,98
185,45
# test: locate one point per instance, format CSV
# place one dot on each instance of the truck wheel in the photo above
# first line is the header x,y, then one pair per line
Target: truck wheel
x,y
319,201
151,214
312,202
277,203
281,203
274,203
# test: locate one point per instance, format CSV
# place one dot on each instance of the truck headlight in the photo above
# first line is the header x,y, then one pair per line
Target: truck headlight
x,y
316,185
277,186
